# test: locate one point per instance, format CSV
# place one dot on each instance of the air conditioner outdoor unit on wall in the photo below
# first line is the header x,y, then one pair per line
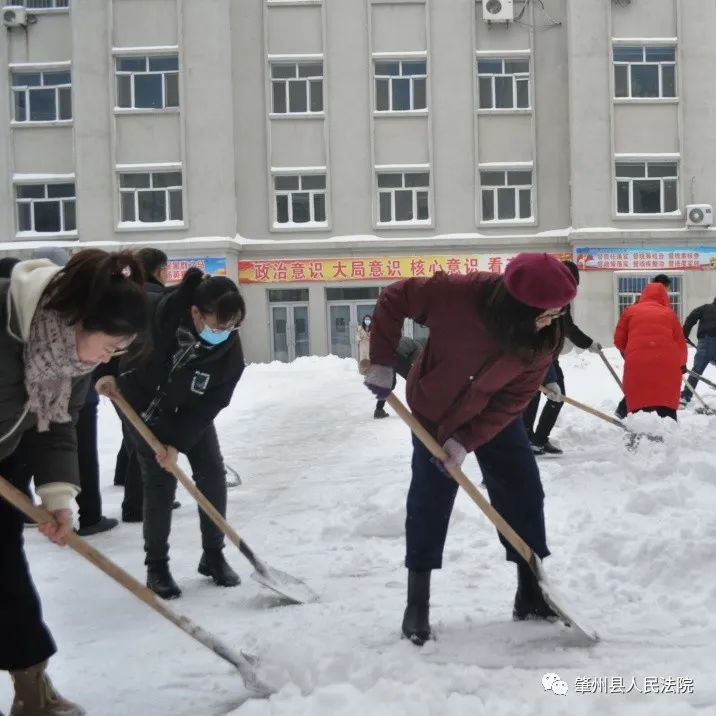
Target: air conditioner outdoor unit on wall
x,y
699,215
498,10
14,16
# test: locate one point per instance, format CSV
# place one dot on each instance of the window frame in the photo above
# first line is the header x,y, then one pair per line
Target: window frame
x,y
644,45
147,53
41,69
503,57
300,173
648,275
44,181
400,58
506,168
646,160
44,10
403,171
296,61
136,225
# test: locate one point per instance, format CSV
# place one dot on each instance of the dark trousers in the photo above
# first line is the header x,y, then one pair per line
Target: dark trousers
x,y
513,484
24,638
379,404
209,474
133,483
705,353
549,416
89,500
660,410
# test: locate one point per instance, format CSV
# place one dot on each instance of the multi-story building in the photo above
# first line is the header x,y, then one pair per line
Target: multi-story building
x,y
319,149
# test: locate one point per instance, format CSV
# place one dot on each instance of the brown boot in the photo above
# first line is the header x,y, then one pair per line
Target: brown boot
x,y
36,696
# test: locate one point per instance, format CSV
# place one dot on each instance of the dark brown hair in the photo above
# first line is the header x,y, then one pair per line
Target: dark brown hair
x,y
218,295
511,323
151,260
100,291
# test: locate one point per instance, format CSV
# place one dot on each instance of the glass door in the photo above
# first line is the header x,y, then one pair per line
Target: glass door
x,y
299,326
279,334
342,339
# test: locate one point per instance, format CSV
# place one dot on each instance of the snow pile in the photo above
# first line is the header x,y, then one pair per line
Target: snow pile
x,y
633,536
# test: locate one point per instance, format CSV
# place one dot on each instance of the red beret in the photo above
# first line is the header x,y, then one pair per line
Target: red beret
x,y
540,280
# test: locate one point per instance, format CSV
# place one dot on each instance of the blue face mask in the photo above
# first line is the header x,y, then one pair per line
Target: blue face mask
x,y
214,337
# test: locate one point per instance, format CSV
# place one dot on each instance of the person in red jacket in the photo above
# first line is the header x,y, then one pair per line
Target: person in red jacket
x,y
650,338
491,341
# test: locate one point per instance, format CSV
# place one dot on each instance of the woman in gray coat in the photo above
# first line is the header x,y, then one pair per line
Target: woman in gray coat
x,y
56,325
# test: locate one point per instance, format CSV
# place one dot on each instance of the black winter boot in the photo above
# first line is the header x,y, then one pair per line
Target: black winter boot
x,y
213,564
160,580
529,601
416,624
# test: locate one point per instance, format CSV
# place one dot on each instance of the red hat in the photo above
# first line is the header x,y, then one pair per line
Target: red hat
x,y
540,280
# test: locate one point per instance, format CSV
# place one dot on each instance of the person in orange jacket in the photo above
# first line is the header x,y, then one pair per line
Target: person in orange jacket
x,y
650,338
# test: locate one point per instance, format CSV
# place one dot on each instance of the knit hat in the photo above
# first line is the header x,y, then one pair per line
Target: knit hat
x,y
540,280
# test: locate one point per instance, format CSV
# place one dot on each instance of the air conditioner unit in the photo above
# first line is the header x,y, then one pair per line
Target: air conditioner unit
x,y
498,10
699,215
14,16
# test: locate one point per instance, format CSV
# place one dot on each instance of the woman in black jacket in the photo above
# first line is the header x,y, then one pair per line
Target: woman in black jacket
x,y
186,377
56,325
539,438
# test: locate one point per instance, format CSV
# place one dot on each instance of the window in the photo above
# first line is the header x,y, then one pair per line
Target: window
x,y
296,87
42,96
403,197
300,199
288,295
46,208
150,197
42,4
147,82
506,194
504,84
400,85
646,187
630,286
644,72
352,294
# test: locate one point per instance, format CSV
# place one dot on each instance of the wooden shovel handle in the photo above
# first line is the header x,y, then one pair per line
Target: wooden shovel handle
x,y
211,512
588,409
21,502
704,404
462,479
611,370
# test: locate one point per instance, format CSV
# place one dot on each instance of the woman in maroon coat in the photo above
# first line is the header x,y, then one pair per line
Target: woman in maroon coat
x,y
492,339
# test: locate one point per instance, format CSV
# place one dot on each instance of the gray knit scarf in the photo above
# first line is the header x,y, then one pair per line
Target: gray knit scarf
x,y
51,362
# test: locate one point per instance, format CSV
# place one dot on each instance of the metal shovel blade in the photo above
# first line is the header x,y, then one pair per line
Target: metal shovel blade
x,y
290,588
556,601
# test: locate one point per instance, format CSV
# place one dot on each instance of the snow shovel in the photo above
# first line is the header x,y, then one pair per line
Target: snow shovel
x,y
603,416
290,588
243,663
708,382
611,369
705,409
551,595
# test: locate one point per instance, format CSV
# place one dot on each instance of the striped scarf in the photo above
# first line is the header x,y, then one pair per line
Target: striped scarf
x,y
51,362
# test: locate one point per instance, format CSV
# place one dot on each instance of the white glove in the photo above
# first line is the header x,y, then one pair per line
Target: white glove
x,y
595,347
456,453
554,392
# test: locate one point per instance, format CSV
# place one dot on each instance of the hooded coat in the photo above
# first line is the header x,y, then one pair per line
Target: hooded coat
x,y
650,337
52,454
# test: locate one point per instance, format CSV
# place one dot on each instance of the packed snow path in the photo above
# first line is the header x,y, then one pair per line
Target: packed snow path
x,y
633,537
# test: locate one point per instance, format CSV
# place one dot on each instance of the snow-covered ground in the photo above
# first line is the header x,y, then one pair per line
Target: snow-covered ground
x,y
633,537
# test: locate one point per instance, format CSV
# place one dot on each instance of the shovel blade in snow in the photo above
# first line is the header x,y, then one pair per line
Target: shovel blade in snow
x,y
555,600
290,588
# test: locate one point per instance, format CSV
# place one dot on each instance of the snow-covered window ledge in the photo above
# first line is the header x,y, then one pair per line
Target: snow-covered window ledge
x,y
49,235
502,223
145,226
305,226
404,225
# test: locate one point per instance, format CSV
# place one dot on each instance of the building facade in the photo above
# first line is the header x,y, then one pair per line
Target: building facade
x,y
317,150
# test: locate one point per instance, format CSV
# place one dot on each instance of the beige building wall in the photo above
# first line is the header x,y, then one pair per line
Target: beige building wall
x,y
230,144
